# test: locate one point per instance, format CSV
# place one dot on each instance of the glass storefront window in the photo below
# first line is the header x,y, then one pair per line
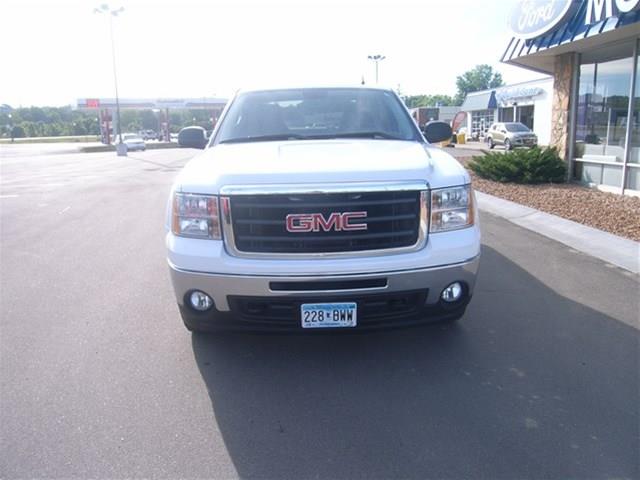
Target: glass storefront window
x,y
481,120
634,153
633,172
602,110
505,114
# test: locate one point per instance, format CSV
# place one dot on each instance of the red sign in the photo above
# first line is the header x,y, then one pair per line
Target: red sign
x,y
458,120
93,103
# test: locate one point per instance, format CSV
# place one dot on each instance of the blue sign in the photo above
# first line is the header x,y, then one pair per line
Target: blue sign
x,y
532,18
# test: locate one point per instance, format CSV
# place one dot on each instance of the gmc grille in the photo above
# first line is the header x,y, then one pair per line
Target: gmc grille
x,y
259,222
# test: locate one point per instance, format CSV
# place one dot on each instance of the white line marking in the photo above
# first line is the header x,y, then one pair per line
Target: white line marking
x,y
8,196
63,210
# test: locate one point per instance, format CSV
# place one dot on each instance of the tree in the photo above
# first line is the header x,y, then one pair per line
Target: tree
x,y
480,77
148,120
18,132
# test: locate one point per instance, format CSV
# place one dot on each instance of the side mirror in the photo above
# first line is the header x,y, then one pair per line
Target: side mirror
x,y
436,132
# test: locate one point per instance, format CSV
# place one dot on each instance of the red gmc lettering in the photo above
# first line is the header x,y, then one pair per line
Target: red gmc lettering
x,y
315,222
299,223
334,222
348,225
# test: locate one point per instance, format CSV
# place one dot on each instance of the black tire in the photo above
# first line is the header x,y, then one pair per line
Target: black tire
x,y
507,145
490,143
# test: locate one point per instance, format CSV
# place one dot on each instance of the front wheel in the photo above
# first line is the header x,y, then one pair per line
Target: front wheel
x,y
490,143
507,145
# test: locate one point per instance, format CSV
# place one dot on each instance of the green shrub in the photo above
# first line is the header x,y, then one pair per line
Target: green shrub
x,y
521,166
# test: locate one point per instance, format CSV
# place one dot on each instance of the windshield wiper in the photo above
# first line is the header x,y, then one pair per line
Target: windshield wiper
x,y
264,138
293,136
386,136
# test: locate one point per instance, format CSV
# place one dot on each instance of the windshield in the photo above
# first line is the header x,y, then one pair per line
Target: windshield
x,y
316,113
516,127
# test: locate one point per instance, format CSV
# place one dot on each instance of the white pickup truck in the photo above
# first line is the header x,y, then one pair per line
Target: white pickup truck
x,y
321,208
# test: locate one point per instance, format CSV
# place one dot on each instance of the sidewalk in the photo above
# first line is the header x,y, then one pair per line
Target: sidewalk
x,y
618,251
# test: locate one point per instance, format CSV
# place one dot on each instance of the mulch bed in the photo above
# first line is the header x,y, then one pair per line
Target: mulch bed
x,y
612,213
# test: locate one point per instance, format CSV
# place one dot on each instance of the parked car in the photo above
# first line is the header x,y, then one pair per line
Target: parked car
x,y
148,134
193,137
133,142
336,213
510,134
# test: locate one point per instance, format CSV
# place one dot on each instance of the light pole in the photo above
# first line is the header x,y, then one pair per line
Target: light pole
x,y
121,148
10,126
377,59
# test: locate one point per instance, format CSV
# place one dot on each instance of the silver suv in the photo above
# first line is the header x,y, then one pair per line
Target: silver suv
x,y
510,134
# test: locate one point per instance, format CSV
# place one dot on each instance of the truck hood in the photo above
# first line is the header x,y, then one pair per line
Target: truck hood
x,y
318,162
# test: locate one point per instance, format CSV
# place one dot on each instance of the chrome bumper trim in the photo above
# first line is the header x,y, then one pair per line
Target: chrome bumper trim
x,y
219,286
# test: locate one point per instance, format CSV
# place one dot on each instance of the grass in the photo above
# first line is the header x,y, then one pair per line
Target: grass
x,y
71,139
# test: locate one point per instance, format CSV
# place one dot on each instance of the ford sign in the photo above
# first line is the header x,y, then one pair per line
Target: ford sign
x,y
532,18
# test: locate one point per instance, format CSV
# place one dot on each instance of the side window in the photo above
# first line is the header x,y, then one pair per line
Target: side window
x,y
494,126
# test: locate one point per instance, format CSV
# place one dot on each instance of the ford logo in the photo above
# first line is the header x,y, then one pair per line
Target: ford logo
x,y
532,18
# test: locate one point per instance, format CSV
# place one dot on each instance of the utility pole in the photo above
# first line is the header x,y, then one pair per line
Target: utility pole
x,y
121,148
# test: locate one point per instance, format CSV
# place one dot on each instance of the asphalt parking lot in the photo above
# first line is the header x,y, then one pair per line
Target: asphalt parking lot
x,y
99,379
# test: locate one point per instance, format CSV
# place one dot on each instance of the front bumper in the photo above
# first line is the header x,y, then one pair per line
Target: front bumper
x,y
272,303
527,142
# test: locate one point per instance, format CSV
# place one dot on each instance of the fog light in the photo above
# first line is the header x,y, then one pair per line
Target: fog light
x,y
200,301
452,293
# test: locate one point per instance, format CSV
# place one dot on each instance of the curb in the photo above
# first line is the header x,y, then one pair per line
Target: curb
x,y
112,148
618,251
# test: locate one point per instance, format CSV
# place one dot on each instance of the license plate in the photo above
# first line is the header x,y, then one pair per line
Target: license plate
x,y
329,315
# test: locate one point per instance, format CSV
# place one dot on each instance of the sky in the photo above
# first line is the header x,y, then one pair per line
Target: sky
x,y
56,51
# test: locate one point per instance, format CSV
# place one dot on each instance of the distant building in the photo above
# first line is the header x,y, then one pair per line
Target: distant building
x,y
423,115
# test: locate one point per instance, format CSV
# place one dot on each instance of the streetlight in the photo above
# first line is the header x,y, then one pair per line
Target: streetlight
x,y
377,59
121,148
10,126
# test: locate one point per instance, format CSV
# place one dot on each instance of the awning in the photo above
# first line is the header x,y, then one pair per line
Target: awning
x,y
572,36
480,101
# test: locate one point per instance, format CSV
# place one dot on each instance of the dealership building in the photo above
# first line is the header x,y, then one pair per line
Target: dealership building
x,y
591,104
528,103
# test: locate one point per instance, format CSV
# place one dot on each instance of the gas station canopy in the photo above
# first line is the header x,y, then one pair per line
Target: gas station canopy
x,y
153,103
161,106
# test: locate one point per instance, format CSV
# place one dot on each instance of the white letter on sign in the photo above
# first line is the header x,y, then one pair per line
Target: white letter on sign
x,y
627,5
595,8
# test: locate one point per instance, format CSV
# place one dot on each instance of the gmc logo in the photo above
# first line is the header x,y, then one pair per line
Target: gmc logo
x,y
314,222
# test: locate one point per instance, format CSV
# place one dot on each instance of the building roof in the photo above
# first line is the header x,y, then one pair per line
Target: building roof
x,y
492,98
480,101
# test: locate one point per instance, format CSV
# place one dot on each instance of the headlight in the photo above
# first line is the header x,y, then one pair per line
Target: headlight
x,y
451,208
196,216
